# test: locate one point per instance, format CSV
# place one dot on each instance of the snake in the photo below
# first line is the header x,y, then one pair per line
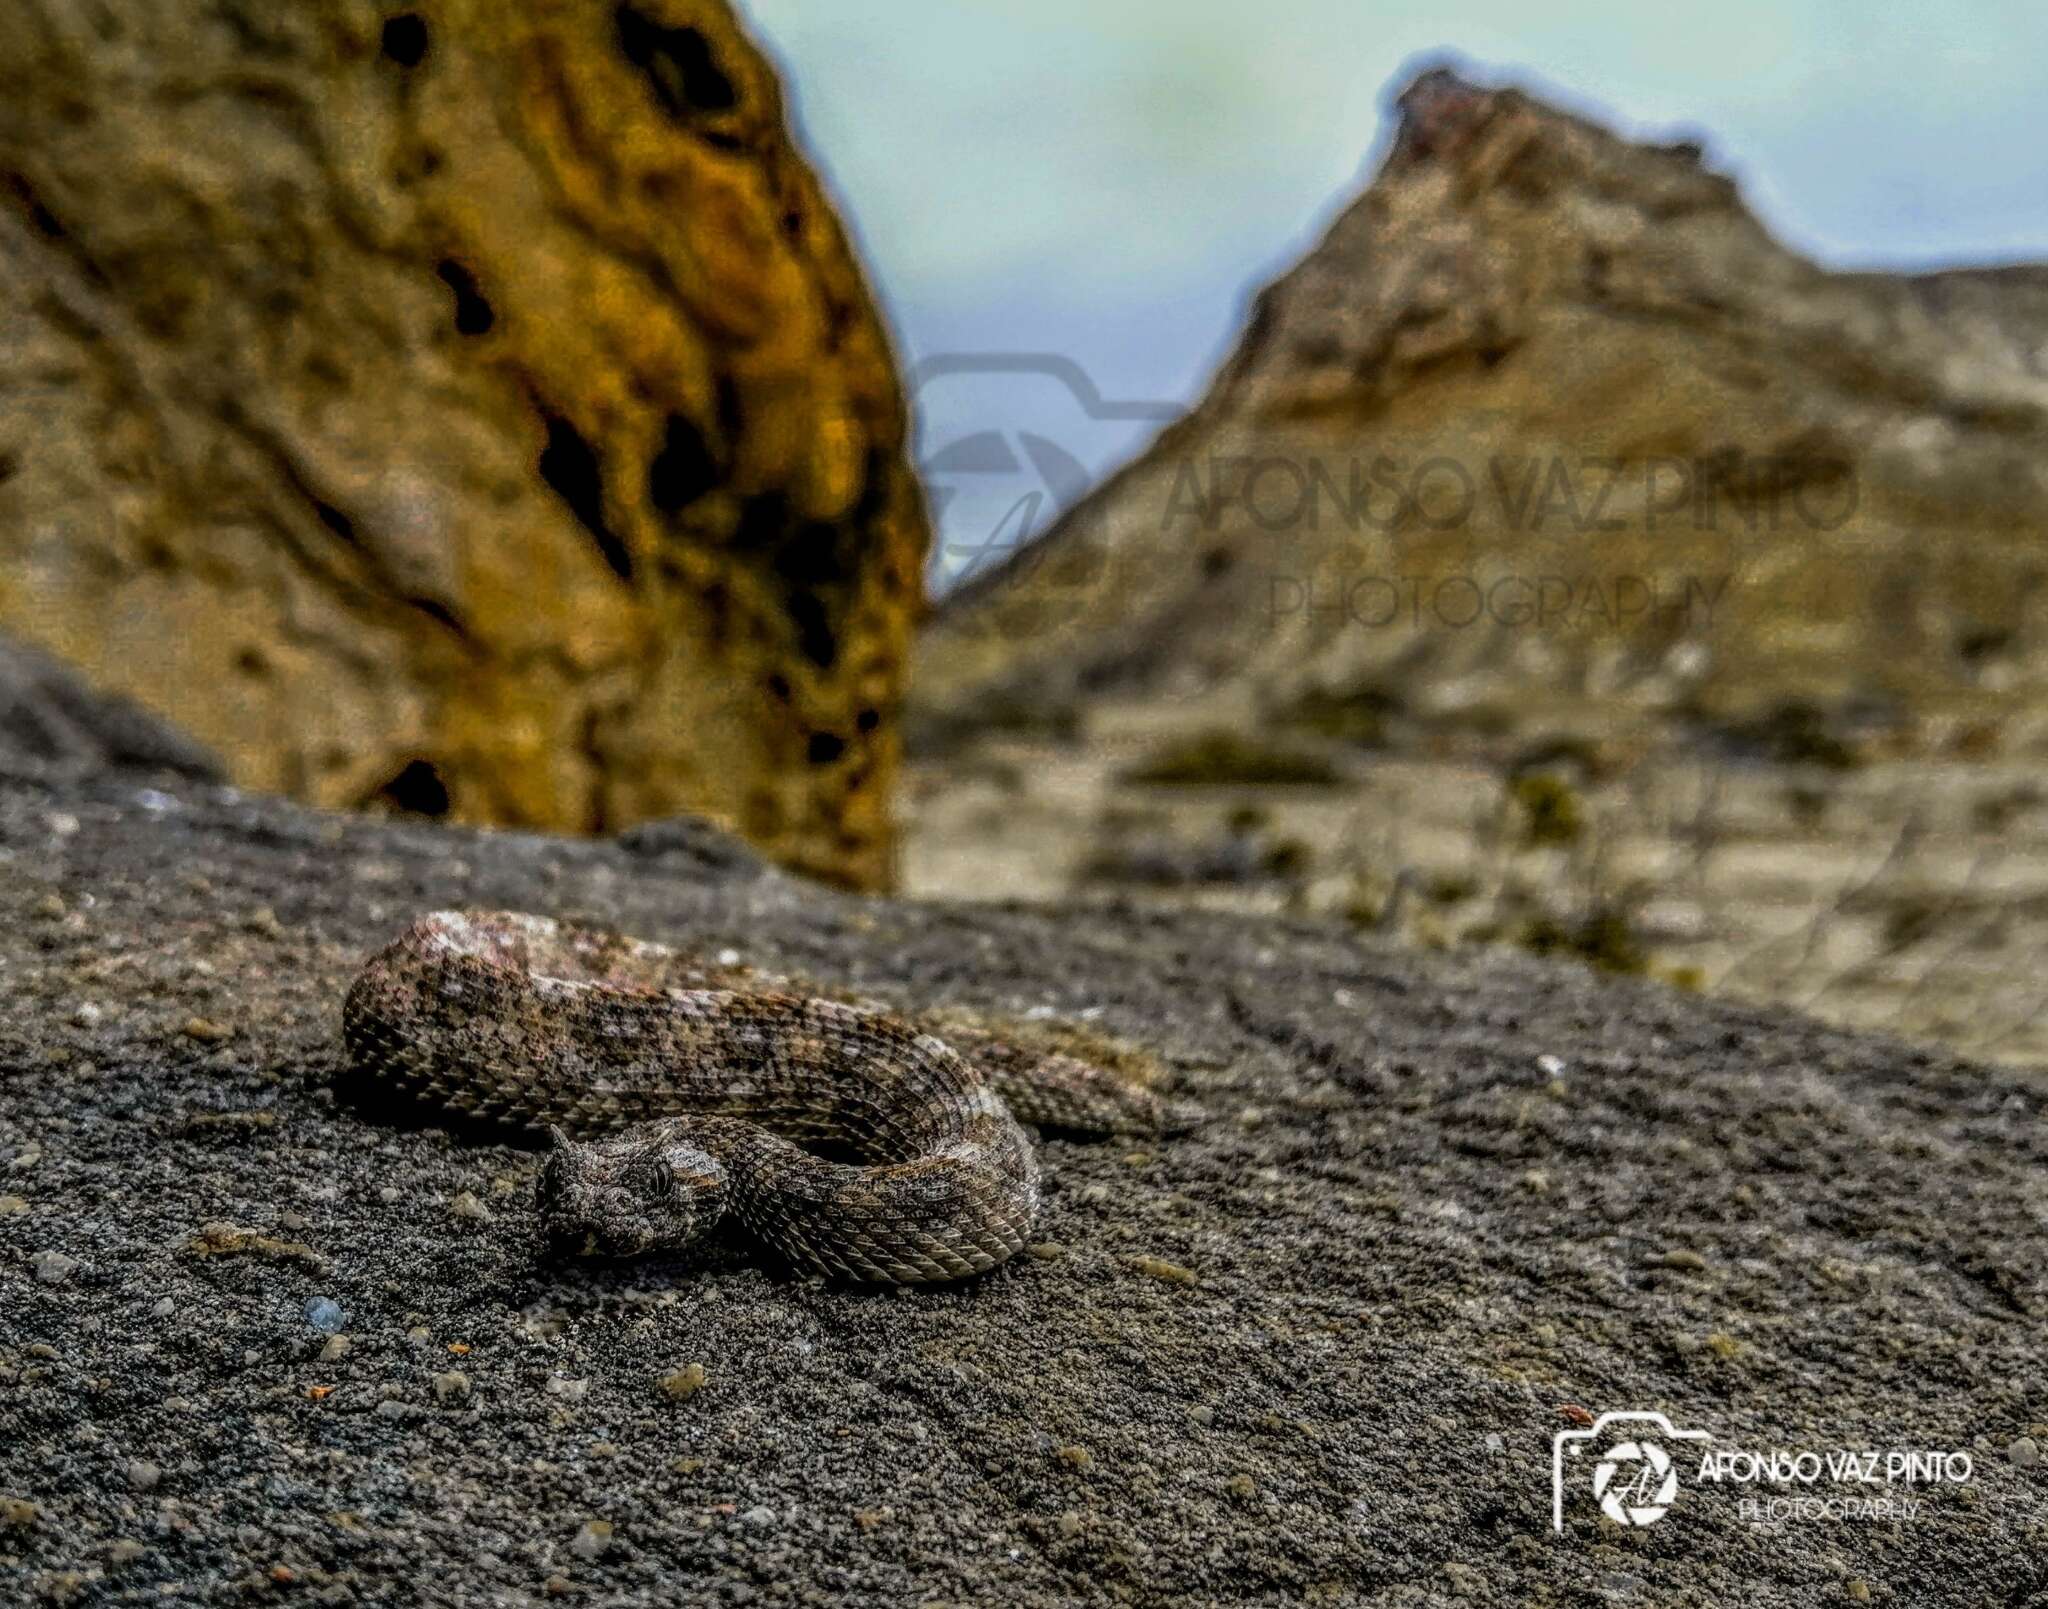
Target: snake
x,y
681,1094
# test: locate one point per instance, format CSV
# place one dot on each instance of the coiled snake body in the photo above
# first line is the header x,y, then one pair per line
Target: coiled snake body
x,y
696,1089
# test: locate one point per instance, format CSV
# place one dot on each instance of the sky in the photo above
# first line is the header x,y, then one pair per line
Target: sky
x,y
1105,182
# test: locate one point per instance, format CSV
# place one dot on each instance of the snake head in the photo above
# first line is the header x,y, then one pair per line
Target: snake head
x,y
646,1190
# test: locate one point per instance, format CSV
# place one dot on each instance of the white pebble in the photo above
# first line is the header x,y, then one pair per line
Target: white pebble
x,y
53,1267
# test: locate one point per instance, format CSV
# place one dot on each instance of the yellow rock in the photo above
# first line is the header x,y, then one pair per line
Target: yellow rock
x,y
475,411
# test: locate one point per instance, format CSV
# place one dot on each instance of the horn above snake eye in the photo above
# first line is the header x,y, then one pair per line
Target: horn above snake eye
x,y
557,1138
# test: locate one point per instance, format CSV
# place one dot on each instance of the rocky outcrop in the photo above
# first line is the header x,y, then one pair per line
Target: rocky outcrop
x,y
254,1339
476,410
1549,419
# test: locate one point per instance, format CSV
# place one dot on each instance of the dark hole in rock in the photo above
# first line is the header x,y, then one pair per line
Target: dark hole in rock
x,y
778,684
434,609
874,487
868,720
473,312
336,521
417,790
811,558
826,747
808,561
405,38
814,634
761,521
570,466
252,662
683,470
10,466
678,63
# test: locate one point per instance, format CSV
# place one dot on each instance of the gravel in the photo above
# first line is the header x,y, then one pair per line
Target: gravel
x,y
1316,1351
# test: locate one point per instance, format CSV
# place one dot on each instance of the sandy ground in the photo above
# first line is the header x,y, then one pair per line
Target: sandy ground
x,y
1906,895
1446,1206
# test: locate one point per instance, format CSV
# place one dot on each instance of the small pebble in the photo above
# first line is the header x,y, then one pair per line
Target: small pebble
x,y
1160,1268
394,1408
164,1308
1243,1487
143,1475
16,1514
87,1014
124,1551
592,1540
207,1031
1077,1457
2025,1453
336,1349
12,1206
325,1314
50,908
570,1390
760,1518
467,1207
452,1386
1857,1589
53,1267
679,1385
1550,1066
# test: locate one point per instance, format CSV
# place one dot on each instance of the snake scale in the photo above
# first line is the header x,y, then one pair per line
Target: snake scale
x,y
690,1090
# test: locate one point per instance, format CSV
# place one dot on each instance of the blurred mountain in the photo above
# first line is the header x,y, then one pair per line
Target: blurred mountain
x,y
473,411
1549,430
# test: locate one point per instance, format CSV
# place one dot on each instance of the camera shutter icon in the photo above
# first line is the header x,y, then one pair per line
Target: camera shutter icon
x,y
1635,1483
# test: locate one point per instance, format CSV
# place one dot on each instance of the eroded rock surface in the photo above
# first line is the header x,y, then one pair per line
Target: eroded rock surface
x,y
473,409
253,1340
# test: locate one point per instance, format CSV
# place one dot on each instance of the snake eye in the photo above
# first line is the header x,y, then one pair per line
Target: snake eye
x,y
654,1178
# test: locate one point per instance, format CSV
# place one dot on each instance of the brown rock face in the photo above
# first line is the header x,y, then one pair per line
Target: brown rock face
x,y
1548,418
470,407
